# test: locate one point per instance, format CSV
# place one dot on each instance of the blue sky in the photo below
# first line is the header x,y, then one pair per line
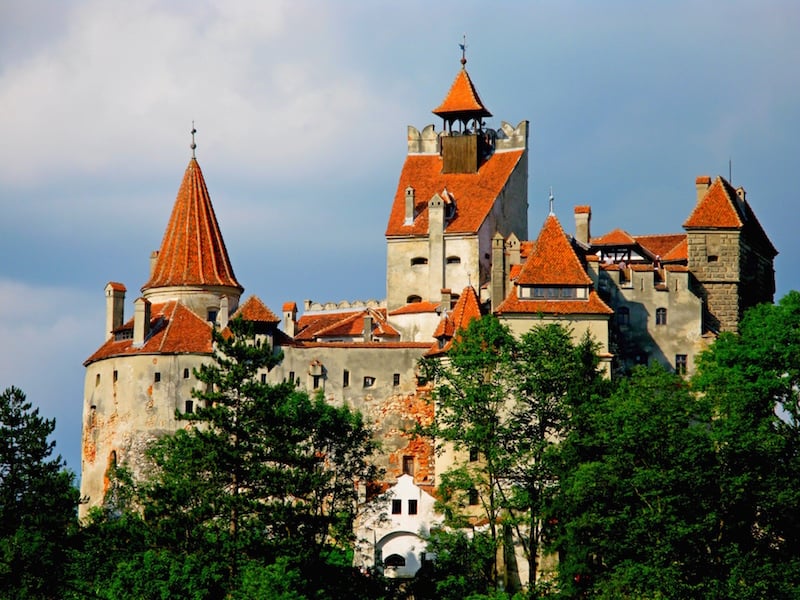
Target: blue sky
x,y
301,109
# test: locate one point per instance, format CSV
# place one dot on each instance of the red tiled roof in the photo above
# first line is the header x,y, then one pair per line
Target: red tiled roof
x,y
192,251
119,287
584,209
467,308
474,193
289,307
350,323
462,101
661,245
553,261
255,310
414,308
679,252
716,209
174,329
514,305
617,237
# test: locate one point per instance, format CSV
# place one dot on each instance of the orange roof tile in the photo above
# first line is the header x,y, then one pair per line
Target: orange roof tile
x,y
584,209
716,209
174,329
467,309
289,307
514,305
416,308
661,245
462,101
553,261
256,311
350,323
679,253
119,287
474,193
617,237
192,251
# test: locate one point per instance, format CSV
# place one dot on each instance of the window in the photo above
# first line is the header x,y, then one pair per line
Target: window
x,y
189,407
396,379
712,258
212,315
97,380
473,497
316,381
291,376
157,377
453,260
680,364
263,378
623,315
397,507
395,560
369,381
408,465
413,299
473,454
345,378
419,260
115,375
186,373
661,316
412,507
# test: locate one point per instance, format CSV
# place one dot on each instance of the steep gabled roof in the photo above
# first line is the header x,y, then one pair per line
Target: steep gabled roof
x,y
662,245
343,324
467,308
192,251
474,193
256,311
462,101
514,305
553,261
174,329
617,237
721,208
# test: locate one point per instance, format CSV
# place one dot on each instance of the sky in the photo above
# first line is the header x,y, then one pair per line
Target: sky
x,y
301,109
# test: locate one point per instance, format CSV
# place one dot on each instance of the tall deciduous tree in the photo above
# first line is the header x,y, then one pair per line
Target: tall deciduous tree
x,y
38,503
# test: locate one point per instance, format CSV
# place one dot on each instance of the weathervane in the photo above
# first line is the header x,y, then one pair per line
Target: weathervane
x,y
193,146
463,46
552,199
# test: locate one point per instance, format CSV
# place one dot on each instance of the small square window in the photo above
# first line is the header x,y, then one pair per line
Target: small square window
x,y
396,379
661,316
212,316
473,497
369,381
412,507
157,377
397,507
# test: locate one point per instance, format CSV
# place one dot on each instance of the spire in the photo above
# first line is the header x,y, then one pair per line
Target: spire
x,y
192,252
462,102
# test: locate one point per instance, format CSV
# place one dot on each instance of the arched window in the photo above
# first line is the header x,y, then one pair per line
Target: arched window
x,y
661,316
413,298
395,560
419,260
623,315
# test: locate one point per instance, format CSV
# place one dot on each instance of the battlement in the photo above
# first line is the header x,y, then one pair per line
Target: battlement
x,y
311,307
507,137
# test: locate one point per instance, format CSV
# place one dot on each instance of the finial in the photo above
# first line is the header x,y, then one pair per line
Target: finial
x,y
193,146
463,46
552,199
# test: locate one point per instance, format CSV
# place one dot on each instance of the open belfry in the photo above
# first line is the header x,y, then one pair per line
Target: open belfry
x,y
457,248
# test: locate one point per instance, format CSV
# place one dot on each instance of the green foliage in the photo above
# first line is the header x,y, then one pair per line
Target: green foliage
x,y
38,503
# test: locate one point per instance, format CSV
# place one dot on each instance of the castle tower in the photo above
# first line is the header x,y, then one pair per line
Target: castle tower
x,y
144,371
457,188
729,254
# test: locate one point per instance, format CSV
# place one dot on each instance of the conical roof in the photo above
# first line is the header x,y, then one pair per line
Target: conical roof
x,y
192,252
462,101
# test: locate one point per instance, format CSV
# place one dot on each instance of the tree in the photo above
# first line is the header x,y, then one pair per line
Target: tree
x,y
38,503
508,402
256,494
638,519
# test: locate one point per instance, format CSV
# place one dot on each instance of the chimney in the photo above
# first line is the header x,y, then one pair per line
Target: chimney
x,y
410,200
141,320
583,221
702,184
498,270
224,312
290,318
447,299
115,307
367,327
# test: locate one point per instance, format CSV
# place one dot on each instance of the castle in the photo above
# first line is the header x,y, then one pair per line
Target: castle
x,y
457,247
